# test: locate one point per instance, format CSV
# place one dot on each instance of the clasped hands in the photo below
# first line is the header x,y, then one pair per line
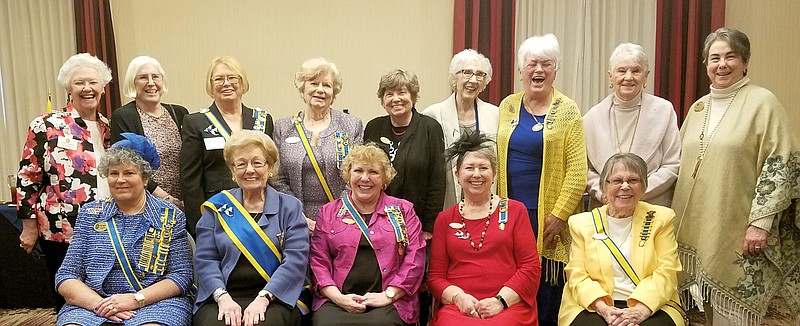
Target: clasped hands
x,y
117,307
356,304
623,317
482,309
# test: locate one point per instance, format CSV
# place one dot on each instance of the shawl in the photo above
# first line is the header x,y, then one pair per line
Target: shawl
x,y
656,141
750,172
563,168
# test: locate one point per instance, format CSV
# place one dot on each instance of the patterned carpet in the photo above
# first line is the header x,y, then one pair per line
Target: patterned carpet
x,y
27,317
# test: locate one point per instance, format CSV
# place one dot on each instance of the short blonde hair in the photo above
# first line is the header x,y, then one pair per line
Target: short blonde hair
x,y
234,65
369,153
315,67
244,138
397,79
129,83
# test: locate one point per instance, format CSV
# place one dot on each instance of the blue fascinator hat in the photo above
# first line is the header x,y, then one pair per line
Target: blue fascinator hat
x,y
142,146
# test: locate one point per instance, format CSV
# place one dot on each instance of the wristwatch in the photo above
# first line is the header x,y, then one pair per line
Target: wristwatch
x,y
390,293
502,300
139,298
218,293
266,295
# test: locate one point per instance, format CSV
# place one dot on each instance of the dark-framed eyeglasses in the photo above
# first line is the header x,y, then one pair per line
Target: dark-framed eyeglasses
x,y
468,73
232,79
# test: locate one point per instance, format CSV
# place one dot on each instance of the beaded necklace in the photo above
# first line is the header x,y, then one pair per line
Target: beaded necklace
x,y
704,143
616,129
485,227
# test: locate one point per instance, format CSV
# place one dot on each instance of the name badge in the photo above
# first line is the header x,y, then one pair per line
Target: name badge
x,y
599,236
292,140
214,143
67,143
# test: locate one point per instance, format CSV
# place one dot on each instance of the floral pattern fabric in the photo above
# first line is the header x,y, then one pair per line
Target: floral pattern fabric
x,y
58,171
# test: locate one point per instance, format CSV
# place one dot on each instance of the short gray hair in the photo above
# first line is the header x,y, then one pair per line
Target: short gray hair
x,y
626,51
540,46
738,41
124,155
397,79
80,60
631,162
315,67
465,57
129,83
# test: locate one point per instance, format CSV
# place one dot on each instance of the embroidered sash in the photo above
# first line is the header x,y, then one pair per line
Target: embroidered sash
x,y
312,157
245,233
222,131
156,244
624,263
122,258
357,217
399,226
260,117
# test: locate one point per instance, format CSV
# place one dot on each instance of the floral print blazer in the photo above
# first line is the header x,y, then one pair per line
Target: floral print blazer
x,y
58,171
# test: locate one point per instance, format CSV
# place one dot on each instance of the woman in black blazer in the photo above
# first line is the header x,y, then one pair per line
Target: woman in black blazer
x,y
203,169
145,82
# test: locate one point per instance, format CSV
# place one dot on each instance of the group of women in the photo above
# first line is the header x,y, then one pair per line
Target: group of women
x,y
301,215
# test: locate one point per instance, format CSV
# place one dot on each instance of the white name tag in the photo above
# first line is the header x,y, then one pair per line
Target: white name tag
x,y
292,140
68,143
214,143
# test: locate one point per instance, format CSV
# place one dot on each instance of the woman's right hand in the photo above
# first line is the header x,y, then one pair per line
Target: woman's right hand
x,y
351,303
29,235
466,304
311,224
229,310
609,313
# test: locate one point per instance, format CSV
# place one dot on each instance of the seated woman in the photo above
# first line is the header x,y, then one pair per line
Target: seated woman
x,y
129,260
252,243
367,250
623,262
484,267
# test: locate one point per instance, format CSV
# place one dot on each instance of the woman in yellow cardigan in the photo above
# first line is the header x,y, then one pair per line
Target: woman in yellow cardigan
x,y
623,266
542,162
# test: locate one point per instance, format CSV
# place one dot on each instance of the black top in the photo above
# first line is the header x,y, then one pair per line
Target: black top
x,y
365,275
204,172
419,161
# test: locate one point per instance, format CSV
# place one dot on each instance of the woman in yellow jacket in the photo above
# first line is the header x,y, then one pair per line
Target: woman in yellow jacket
x,y
542,162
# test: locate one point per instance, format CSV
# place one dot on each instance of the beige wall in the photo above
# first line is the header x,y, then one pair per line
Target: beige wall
x,y
365,38
772,27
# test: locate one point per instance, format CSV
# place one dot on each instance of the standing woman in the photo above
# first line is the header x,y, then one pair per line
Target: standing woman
x,y
736,196
145,82
313,142
542,162
463,111
416,147
58,170
203,169
632,121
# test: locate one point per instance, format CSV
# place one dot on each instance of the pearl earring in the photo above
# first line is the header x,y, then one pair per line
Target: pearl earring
x,y
610,85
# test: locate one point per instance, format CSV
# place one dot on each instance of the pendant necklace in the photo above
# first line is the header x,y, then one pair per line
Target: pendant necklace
x,y
705,142
616,130
538,126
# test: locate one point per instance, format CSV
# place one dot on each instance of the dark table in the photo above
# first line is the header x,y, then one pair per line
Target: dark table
x,y
23,278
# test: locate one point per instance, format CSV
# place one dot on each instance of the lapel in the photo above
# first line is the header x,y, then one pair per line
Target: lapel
x,y
215,111
248,121
604,258
638,254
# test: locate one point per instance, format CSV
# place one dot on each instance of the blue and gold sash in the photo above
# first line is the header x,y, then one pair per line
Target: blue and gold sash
x,y
222,131
622,261
357,217
399,226
245,233
312,157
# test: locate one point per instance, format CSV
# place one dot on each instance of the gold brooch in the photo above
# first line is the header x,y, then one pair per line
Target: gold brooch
x,y
699,106
101,226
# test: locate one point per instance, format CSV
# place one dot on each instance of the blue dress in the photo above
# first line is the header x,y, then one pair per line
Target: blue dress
x,y
91,260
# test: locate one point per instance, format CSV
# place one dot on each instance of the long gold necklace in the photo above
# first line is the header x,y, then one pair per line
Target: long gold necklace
x,y
616,130
704,143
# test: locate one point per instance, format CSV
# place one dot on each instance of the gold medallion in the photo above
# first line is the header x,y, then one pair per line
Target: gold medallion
x,y
101,226
699,106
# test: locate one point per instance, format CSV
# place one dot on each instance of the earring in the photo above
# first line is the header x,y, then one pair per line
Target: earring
x,y
270,174
644,86
233,179
610,85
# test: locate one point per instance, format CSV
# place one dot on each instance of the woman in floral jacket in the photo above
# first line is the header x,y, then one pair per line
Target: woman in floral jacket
x,y
58,167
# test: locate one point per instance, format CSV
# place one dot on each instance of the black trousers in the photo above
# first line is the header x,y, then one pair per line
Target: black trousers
x,y
586,318
54,253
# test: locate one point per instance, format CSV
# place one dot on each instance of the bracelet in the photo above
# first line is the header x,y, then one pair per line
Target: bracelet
x,y
218,293
453,298
502,300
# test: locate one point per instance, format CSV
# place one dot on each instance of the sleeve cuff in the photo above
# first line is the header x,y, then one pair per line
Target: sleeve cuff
x,y
764,223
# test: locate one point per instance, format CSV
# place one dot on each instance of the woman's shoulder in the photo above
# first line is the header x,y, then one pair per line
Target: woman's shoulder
x,y
581,220
345,121
177,107
599,109
659,212
128,108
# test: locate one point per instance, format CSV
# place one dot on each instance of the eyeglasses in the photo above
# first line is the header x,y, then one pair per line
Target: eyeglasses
x,y
241,165
618,182
468,73
144,78
232,79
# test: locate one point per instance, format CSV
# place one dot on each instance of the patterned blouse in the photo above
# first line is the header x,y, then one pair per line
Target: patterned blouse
x,y
165,135
58,171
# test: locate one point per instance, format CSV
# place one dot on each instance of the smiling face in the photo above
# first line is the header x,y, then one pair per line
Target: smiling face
x,y
537,77
475,175
318,92
366,182
250,169
226,90
126,183
622,188
724,66
149,84
397,103
85,88
628,78
470,88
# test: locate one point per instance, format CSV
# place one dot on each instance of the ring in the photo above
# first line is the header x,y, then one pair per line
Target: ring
x,y
110,307
114,309
473,312
758,247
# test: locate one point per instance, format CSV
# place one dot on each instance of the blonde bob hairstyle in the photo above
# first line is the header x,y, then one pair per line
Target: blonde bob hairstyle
x,y
234,65
244,138
129,83
315,67
369,153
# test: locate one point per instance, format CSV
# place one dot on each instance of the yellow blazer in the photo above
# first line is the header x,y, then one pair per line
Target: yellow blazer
x,y
590,274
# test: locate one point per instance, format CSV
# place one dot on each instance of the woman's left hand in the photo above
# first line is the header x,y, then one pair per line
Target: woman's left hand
x,y
633,316
488,307
255,311
376,300
114,304
553,229
755,241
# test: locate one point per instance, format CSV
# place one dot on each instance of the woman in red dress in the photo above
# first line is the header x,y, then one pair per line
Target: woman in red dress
x,y
484,266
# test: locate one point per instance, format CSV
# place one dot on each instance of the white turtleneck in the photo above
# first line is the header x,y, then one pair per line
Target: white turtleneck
x,y
624,118
721,99
619,230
